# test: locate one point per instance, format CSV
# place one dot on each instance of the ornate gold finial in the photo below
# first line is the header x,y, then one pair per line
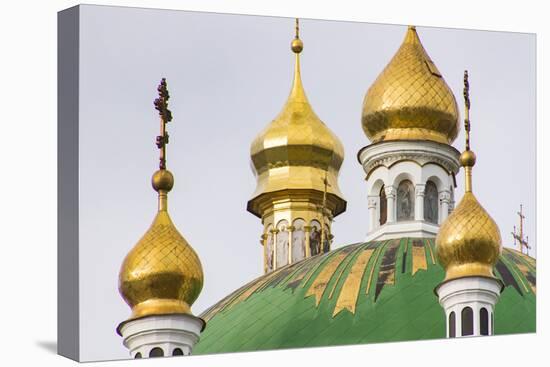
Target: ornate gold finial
x,y
468,242
162,274
468,157
297,45
163,180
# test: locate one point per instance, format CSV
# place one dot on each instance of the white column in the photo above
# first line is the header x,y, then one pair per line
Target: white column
x,y
452,201
390,197
419,202
290,229
444,200
373,212
275,231
474,292
263,242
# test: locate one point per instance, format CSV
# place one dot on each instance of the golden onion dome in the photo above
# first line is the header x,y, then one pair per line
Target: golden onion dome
x,y
468,242
296,148
410,100
162,274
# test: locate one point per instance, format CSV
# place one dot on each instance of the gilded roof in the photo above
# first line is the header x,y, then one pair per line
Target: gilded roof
x,y
468,242
410,99
162,274
361,293
296,150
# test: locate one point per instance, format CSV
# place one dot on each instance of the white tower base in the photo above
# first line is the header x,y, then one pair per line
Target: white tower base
x,y
162,335
387,164
469,305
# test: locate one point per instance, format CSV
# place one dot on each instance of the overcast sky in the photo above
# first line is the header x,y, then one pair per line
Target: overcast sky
x,y
228,77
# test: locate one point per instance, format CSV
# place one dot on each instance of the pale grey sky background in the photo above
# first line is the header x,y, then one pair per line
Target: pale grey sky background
x,y
229,76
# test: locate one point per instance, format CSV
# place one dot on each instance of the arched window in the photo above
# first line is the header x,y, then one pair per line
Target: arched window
x,y
405,201
484,321
315,238
282,244
452,325
431,203
326,242
137,356
298,240
177,352
156,352
492,324
467,321
383,206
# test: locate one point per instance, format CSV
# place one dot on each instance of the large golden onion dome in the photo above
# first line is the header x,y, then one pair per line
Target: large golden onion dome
x,y
469,241
410,100
296,150
162,274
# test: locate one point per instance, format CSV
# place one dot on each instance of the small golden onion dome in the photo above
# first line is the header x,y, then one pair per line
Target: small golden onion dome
x,y
297,150
468,242
410,100
162,274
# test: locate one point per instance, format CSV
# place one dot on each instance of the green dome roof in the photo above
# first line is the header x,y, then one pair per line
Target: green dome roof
x,y
360,293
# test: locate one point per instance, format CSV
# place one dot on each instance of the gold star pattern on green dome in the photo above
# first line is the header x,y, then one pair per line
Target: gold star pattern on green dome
x,y
377,291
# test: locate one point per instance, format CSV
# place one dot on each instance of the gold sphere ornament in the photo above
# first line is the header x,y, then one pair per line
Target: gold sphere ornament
x,y
467,158
162,180
468,242
297,45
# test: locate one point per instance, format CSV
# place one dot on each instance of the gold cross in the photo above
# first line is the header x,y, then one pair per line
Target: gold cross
x,y
467,112
161,105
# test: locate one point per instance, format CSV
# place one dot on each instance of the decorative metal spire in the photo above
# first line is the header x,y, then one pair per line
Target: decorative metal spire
x,y
161,105
468,157
297,45
522,241
323,215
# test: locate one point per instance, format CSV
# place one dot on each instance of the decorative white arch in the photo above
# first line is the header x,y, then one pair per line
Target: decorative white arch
x,y
438,175
405,170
